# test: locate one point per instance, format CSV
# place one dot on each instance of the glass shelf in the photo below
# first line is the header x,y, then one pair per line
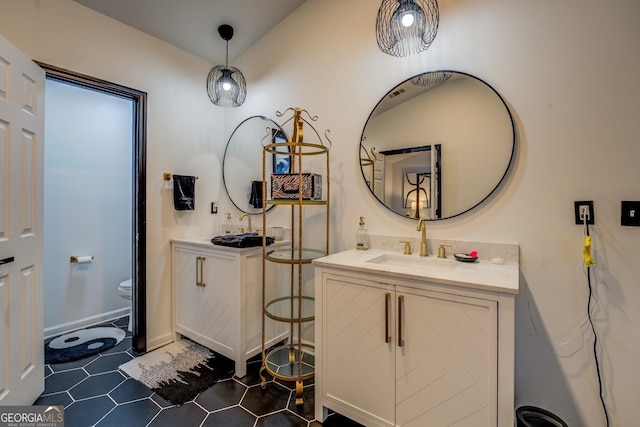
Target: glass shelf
x,y
282,362
288,255
296,202
286,309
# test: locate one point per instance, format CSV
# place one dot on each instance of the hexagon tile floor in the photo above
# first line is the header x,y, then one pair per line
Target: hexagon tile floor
x,y
95,392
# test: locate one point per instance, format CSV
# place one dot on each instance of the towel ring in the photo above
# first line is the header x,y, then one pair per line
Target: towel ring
x,y
168,175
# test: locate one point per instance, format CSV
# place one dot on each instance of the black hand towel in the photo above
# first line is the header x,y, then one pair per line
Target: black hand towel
x,y
255,199
184,192
246,240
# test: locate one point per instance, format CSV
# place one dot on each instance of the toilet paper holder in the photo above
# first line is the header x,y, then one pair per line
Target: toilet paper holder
x,y
76,259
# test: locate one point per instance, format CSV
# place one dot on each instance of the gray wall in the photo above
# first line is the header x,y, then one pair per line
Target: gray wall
x,y
88,172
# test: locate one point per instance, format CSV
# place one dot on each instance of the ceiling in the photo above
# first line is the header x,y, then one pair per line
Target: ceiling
x,y
192,25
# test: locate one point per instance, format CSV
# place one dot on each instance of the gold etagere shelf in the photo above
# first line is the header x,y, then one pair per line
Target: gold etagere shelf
x,y
294,359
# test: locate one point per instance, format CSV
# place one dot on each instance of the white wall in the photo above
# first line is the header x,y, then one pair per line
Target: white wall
x,y
88,172
568,71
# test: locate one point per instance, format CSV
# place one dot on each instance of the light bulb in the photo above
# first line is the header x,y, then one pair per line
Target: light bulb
x,y
407,19
226,86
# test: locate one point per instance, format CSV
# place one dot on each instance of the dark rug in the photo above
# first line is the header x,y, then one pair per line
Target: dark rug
x,y
178,372
80,344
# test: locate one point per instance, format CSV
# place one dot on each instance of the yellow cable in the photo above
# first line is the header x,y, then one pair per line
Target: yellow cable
x,y
586,252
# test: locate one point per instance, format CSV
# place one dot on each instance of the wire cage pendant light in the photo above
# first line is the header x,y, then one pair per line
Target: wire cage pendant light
x,y
406,27
226,85
431,80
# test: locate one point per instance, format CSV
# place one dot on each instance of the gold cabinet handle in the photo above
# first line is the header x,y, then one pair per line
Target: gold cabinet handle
x,y
200,272
387,309
400,310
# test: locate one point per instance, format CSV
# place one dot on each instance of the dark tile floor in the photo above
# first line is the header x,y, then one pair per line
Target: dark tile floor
x,y
95,392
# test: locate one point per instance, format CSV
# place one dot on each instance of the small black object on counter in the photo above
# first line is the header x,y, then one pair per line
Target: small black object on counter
x,y
246,240
465,257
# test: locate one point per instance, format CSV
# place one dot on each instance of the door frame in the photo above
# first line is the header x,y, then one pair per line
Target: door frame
x,y
139,237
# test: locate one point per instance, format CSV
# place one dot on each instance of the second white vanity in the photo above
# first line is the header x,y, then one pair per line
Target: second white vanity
x,y
403,340
217,298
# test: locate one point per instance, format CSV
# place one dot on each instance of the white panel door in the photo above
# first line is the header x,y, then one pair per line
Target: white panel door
x,y
21,196
378,177
446,370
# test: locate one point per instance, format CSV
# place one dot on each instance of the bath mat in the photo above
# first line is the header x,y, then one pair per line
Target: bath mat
x,y
179,371
80,344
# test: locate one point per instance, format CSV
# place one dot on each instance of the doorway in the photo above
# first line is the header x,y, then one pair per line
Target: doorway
x,y
138,202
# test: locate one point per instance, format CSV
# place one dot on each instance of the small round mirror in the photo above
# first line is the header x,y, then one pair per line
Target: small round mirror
x,y
242,162
437,145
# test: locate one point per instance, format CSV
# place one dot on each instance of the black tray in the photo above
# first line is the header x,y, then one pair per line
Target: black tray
x,y
465,257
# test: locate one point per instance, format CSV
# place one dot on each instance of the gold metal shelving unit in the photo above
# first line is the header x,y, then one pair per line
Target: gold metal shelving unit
x,y
294,360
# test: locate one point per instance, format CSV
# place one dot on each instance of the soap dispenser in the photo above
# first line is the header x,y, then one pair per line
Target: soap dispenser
x,y
362,236
227,227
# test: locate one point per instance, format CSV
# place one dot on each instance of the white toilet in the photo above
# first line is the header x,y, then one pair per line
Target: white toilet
x,y
125,292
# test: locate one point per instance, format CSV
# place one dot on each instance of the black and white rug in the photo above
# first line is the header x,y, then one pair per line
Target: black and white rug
x,y
179,371
82,343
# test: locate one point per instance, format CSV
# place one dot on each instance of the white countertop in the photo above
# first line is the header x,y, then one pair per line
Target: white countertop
x,y
478,275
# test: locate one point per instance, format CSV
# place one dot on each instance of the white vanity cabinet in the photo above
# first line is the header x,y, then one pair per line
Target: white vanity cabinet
x,y
217,299
396,350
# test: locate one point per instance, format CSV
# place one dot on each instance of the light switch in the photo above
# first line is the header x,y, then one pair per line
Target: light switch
x,y
630,214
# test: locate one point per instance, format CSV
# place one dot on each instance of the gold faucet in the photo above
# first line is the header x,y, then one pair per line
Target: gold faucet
x,y
246,215
422,226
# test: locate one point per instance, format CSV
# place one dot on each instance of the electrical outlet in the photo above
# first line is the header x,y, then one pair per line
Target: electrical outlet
x,y
584,209
630,215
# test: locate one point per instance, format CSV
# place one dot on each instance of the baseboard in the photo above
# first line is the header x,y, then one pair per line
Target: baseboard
x,y
158,342
64,328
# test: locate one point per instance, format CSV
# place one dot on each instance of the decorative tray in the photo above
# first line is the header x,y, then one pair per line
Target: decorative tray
x,y
465,257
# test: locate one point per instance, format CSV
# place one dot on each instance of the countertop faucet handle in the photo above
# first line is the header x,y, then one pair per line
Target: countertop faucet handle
x,y
442,253
407,247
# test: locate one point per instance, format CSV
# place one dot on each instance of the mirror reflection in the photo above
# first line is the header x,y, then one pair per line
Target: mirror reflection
x,y
437,145
242,162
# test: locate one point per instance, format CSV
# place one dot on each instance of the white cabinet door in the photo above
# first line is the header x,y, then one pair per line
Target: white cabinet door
x,y
446,369
358,361
205,303
406,356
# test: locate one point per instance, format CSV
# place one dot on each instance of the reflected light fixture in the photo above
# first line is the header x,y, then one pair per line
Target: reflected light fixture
x,y
406,27
226,85
432,79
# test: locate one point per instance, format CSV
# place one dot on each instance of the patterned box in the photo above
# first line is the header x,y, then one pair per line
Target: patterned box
x,y
286,186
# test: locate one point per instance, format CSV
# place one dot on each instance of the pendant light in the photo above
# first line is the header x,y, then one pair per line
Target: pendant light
x,y
226,85
406,27
432,79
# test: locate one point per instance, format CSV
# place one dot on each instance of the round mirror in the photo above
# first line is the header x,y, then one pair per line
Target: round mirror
x,y
437,145
242,162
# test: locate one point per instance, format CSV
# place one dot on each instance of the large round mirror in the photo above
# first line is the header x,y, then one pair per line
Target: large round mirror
x,y
242,162
437,145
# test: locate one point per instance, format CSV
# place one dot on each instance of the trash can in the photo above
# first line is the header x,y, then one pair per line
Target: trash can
x,y
530,416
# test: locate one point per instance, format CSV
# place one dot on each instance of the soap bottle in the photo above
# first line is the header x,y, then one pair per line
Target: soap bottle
x,y
362,236
227,227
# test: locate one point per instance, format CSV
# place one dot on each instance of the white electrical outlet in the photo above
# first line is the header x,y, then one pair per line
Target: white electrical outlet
x,y
584,212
